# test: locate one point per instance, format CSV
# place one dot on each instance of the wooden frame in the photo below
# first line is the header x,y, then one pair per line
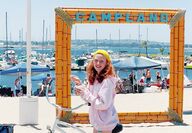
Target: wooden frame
x,y
66,17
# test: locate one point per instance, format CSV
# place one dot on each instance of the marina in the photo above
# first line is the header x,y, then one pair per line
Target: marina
x,y
40,57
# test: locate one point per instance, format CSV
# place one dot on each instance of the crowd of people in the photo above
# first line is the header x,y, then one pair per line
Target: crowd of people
x,y
146,81
161,83
20,90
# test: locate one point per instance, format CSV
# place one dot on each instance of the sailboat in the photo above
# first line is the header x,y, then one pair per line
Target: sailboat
x,y
8,59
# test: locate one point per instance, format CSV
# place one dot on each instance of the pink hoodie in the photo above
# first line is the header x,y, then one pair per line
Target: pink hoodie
x,y
102,113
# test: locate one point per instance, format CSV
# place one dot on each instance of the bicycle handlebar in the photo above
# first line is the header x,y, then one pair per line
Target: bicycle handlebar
x,y
62,108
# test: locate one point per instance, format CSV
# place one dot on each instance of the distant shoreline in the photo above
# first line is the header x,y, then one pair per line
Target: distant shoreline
x,y
33,46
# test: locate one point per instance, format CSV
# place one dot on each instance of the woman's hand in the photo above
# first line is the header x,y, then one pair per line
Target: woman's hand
x,y
79,89
75,79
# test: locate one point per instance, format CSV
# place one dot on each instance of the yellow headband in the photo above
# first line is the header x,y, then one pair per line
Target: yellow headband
x,y
104,53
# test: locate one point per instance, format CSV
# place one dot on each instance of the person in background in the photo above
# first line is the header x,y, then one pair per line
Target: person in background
x,y
132,78
164,84
158,80
148,77
158,77
142,80
46,84
167,82
100,93
17,84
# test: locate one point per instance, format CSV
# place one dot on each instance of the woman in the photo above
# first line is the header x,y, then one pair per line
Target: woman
x,y
17,84
100,93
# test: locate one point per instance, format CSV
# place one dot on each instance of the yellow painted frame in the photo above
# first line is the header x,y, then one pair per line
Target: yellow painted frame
x,y
65,17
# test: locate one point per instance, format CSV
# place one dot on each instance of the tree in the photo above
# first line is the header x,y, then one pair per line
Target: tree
x,y
145,45
161,50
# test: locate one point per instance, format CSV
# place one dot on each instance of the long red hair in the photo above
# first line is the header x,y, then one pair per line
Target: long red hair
x,y
93,75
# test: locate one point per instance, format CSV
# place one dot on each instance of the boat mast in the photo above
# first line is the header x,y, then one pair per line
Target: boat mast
x,y
43,34
96,39
147,34
6,42
147,43
139,40
75,33
49,40
21,38
110,37
119,36
46,38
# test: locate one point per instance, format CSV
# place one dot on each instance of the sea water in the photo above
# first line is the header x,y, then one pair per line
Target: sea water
x,y
8,81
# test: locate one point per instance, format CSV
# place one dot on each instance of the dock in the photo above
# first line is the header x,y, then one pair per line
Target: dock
x,y
124,103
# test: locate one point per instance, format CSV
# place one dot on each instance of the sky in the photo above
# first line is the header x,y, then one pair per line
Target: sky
x,y
44,10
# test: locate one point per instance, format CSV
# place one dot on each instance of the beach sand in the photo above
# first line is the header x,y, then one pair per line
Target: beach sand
x,y
143,102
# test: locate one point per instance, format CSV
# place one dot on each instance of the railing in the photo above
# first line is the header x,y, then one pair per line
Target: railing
x,y
58,123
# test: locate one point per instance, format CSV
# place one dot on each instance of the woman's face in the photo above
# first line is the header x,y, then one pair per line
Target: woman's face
x,y
99,62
